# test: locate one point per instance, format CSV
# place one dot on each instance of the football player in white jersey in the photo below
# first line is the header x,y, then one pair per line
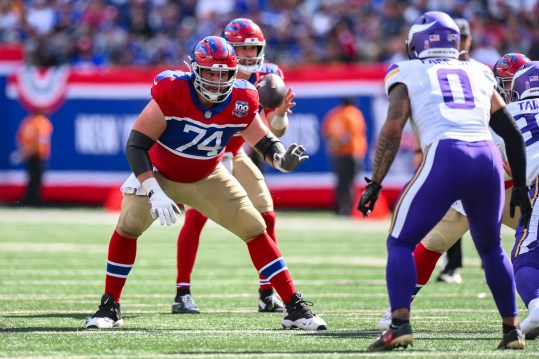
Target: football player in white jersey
x,y
455,224
453,256
450,104
525,253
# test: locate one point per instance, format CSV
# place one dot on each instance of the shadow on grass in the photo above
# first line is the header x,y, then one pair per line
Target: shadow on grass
x,y
77,316
361,334
288,354
376,333
41,329
458,335
419,335
432,335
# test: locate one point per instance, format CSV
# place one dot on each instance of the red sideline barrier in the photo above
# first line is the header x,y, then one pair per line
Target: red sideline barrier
x,y
381,210
110,197
282,198
302,197
76,194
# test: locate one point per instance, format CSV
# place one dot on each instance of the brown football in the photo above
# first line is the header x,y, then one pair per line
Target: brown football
x,y
272,91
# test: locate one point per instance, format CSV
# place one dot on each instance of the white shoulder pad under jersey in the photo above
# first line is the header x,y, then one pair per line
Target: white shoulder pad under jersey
x,y
450,99
525,114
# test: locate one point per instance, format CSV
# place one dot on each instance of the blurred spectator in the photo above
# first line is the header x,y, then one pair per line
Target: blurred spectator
x,y
485,51
207,8
93,15
41,17
162,32
396,49
391,16
344,131
34,148
9,22
84,57
488,37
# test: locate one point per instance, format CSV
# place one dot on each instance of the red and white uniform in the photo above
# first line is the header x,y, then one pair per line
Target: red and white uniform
x,y
193,142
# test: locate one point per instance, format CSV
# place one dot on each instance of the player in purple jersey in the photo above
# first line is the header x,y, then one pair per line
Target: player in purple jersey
x,y
450,103
248,41
525,253
175,149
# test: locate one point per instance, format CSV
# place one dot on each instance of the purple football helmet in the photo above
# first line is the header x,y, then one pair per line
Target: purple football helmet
x,y
526,81
434,34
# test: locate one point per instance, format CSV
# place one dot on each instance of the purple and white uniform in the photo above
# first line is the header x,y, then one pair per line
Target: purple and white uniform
x,y
450,112
525,253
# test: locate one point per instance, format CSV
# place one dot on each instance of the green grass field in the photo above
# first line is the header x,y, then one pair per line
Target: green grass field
x,y
52,266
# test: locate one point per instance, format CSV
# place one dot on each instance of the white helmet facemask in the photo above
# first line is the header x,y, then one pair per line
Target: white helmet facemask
x,y
214,90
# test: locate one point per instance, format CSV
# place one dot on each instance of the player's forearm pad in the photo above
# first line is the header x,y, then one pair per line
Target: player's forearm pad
x,y
503,124
268,146
138,145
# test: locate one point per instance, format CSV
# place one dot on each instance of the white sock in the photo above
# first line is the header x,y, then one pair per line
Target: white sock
x,y
534,304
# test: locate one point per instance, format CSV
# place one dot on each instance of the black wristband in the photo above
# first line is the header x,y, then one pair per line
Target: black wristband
x,y
268,146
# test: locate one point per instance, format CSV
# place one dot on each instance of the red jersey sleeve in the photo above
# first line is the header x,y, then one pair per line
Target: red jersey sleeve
x,y
252,95
166,89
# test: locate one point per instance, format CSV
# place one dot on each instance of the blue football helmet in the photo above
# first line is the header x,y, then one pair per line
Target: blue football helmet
x,y
504,69
434,34
245,32
526,81
216,54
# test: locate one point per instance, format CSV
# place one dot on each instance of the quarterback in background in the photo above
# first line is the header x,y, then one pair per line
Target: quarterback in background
x,y
175,149
249,43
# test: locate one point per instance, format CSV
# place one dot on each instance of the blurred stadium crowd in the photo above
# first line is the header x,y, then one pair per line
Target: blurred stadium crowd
x,y
89,33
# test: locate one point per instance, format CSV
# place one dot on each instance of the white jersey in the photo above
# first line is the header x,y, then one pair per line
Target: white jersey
x,y
450,99
526,114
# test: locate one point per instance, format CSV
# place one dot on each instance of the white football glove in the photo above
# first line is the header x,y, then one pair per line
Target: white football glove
x,y
162,206
291,159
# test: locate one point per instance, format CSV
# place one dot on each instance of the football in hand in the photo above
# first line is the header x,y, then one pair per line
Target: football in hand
x,y
271,91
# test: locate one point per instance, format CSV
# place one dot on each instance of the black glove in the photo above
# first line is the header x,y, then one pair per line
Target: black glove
x,y
521,198
369,197
291,159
